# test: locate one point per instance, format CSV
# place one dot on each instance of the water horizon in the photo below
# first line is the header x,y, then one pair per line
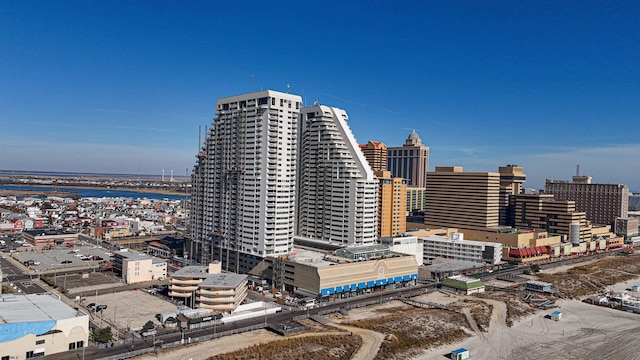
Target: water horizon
x,y
93,192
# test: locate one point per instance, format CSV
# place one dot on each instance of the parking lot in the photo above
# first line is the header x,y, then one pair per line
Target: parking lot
x,y
64,258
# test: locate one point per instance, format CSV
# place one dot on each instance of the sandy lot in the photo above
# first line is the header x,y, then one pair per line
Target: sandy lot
x,y
125,307
585,332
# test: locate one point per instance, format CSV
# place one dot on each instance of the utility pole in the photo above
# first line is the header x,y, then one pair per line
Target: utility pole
x,y
115,322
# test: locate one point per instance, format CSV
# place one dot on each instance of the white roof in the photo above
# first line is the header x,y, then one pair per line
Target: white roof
x,y
35,307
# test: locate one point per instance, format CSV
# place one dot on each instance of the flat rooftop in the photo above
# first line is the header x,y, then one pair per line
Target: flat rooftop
x,y
191,271
35,307
309,257
437,265
129,255
223,280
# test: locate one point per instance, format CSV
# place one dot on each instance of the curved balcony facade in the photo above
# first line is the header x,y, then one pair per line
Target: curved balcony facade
x,y
221,292
219,307
179,294
179,281
190,289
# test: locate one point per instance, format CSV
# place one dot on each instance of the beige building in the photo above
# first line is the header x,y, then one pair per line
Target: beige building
x,y
207,287
39,325
542,211
392,218
511,179
415,199
366,268
138,267
627,227
515,238
376,154
602,203
465,200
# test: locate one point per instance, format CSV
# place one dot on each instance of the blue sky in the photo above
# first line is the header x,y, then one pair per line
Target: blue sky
x,y
122,86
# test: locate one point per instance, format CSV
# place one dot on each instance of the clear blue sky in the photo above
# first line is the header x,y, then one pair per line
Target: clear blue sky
x,y
122,86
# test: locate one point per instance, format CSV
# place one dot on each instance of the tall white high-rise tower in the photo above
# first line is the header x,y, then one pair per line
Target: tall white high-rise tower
x,y
244,181
337,190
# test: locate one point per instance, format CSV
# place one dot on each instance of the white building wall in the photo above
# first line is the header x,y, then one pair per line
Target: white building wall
x,y
244,181
337,191
440,246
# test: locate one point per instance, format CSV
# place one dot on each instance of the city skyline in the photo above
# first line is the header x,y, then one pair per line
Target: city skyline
x,y
123,87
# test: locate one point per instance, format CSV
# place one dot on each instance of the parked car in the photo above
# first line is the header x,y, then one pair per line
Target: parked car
x,y
101,307
91,305
67,261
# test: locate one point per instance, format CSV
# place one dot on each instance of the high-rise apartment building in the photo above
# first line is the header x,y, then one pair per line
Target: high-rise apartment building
x,y
337,190
466,200
392,197
376,154
244,181
603,203
409,161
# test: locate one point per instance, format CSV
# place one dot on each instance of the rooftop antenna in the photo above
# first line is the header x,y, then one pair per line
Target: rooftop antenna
x,y
578,170
288,89
252,82
171,180
162,174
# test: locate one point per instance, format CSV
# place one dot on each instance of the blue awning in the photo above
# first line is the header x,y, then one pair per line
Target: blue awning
x,y
414,276
398,278
381,282
361,285
354,287
406,278
371,284
390,280
338,289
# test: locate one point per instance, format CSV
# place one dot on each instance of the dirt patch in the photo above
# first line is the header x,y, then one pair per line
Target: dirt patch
x,y
480,311
322,347
517,308
408,331
594,277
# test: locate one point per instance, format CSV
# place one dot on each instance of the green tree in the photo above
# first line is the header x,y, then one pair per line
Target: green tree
x,y
535,268
103,335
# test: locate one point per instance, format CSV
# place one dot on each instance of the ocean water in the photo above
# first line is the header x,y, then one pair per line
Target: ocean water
x,y
99,193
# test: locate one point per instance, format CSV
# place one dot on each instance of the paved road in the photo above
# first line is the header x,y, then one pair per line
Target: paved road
x,y
95,352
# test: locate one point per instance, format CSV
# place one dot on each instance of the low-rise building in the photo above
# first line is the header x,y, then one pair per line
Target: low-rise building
x,y
39,325
408,245
49,238
455,247
466,284
138,267
207,287
352,271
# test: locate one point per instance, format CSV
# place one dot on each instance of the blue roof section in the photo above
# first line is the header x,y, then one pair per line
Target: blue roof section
x,y
367,284
13,331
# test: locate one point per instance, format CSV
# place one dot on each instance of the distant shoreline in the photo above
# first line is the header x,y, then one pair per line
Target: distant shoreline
x,y
95,187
